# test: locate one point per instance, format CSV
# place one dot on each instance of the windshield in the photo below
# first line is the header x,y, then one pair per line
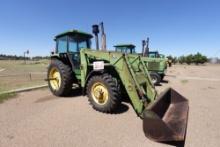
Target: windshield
x,y
162,56
125,50
62,44
75,44
153,54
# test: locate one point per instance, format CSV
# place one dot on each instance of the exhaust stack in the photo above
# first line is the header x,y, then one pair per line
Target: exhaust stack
x,y
103,41
146,48
143,47
95,31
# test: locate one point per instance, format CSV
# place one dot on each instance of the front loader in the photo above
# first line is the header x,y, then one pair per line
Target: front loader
x,y
104,75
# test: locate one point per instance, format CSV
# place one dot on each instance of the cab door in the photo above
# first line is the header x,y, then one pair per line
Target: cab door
x,y
74,47
73,52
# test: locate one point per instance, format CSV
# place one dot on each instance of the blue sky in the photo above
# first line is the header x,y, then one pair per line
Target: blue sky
x,y
175,27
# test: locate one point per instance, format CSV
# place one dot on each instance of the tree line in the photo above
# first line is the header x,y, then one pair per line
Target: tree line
x,y
197,58
15,57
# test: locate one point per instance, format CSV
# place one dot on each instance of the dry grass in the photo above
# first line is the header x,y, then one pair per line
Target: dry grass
x,y
6,96
184,81
16,74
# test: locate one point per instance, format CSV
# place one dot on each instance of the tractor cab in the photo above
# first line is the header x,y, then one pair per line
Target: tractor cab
x,y
69,44
153,54
72,41
162,56
125,48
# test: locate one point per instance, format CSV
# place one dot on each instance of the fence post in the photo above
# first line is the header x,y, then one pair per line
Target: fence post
x,y
30,76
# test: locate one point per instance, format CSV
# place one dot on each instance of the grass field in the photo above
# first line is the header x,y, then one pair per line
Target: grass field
x,y
17,74
6,96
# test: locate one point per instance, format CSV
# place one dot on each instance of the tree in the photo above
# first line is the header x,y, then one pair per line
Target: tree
x,y
197,58
200,59
174,60
189,59
204,60
170,57
182,59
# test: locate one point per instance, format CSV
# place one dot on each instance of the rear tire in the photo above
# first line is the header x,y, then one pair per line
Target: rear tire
x,y
155,78
60,85
103,93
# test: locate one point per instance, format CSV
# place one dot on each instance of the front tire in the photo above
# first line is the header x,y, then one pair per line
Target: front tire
x,y
103,93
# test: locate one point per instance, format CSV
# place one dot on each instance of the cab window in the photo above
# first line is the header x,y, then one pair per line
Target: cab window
x,y
122,49
118,49
133,51
83,44
62,44
76,44
73,45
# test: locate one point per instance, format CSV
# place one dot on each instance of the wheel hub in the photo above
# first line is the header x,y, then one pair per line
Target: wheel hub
x,y
55,77
99,93
153,79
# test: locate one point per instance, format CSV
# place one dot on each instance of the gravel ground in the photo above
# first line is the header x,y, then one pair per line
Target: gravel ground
x,y
37,118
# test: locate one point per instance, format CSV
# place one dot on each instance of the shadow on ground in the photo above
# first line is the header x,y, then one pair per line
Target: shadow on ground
x,y
174,76
45,99
74,93
164,81
78,92
175,143
121,109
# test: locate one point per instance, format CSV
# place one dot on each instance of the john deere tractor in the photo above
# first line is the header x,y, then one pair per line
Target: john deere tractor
x,y
104,75
156,66
155,54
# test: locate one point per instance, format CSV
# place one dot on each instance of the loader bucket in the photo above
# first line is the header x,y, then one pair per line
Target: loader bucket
x,y
165,120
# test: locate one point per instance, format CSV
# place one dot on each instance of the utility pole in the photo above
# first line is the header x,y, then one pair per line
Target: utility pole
x,y
26,52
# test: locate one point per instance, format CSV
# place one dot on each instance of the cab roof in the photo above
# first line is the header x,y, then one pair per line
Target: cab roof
x,y
74,32
153,52
125,45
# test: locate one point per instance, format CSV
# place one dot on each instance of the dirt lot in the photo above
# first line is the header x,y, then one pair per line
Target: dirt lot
x,y
39,119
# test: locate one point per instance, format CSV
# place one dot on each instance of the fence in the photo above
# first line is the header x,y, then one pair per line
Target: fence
x,y
17,81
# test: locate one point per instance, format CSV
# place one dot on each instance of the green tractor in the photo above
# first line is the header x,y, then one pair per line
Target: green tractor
x,y
104,75
155,54
157,67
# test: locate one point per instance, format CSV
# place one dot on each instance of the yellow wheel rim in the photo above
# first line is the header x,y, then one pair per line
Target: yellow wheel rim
x,y
99,93
55,78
